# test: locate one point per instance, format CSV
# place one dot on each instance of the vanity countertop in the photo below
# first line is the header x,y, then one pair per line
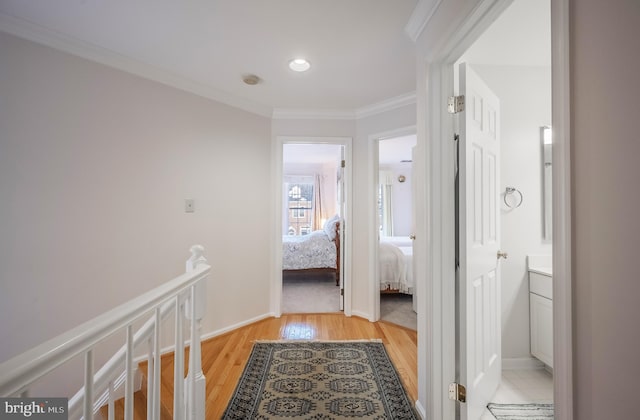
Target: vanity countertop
x,y
541,264
545,271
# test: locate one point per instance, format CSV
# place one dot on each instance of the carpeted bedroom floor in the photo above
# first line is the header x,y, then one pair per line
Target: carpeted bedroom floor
x,y
398,309
318,293
315,293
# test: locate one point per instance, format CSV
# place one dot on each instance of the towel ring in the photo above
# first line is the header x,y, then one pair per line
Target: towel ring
x,y
509,191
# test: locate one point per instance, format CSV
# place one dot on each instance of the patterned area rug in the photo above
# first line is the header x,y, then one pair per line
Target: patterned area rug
x,y
521,411
319,381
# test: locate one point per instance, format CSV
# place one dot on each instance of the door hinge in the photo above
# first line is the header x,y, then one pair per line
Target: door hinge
x,y
341,292
343,164
455,104
457,392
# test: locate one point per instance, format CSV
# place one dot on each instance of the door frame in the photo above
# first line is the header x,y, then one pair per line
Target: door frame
x,y
345,268
374,168
436,363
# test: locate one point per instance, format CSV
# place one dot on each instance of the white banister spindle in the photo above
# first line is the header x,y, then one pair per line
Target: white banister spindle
x,y
178,365
128,386
195,381
156,367
88,385
112,406
150,372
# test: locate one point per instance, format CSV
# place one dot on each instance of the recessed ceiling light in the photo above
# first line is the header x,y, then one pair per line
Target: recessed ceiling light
x,y
299,64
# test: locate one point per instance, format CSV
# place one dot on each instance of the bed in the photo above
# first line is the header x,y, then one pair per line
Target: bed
x,y
315,253
395,265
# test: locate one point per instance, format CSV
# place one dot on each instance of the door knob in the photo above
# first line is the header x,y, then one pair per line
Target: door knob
x,y
502,254
412,237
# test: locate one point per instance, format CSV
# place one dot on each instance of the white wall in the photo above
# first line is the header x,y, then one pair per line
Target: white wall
x,y
525,105
606,198
359,130
94,166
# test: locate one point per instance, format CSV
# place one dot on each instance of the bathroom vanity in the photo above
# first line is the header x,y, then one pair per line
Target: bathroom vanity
x,y
541,309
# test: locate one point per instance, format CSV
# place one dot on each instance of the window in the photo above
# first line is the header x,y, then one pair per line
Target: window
x,y
300,206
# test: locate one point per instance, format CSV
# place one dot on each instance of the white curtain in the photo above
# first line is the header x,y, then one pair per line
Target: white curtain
x,y
318,206
386,182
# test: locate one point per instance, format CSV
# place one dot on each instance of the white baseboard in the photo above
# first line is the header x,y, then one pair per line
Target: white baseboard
x,y
236,326
421,411
361,314
522,363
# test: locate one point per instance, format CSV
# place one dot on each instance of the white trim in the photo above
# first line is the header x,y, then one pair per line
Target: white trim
x,y
437,127
422,14
345,268
386,105
561,185
71,45
345,114
522,363
312,114
373,147
361,314
421,411
225,330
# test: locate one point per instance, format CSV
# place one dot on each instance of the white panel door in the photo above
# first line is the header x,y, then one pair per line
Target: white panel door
x,y
416,171
479,338
343,223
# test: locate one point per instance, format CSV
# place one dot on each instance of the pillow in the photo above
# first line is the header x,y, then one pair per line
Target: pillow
x,y
330,227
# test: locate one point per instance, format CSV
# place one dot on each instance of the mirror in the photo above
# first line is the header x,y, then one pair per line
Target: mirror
x,y
545,134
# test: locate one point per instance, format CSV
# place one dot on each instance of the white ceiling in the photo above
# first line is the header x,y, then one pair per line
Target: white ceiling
x,y
359,51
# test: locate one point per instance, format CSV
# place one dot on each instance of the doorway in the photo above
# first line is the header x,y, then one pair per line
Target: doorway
x,y
395,230
310,183
436,360
312,213
513,59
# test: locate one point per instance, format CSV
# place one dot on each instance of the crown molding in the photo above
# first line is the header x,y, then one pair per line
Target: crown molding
x,y
422,14
312,114
345,114
386,105
41,35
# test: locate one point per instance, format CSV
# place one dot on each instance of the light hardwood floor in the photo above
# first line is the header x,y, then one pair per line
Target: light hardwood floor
x,y
224,357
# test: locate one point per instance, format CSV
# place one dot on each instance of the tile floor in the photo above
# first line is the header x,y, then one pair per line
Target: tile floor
x,y
523,386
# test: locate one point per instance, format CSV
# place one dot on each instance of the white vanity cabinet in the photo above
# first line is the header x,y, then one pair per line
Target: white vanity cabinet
x,y
541,316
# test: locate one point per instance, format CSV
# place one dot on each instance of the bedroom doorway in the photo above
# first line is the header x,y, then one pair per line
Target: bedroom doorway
x,y
312,224
394,224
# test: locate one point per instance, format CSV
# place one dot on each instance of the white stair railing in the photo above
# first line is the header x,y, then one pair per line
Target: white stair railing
x,y
183,296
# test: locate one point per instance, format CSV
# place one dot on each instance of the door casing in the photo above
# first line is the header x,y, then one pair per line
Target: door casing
x,y
276,233
436,361
374,166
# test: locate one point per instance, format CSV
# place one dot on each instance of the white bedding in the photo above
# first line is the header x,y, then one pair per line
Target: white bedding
x,y
396,267
400,241
314,250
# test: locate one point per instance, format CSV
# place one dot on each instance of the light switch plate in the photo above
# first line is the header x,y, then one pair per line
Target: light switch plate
x,y
189,205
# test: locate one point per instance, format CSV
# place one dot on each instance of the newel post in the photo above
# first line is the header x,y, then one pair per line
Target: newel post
x,y
195,382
